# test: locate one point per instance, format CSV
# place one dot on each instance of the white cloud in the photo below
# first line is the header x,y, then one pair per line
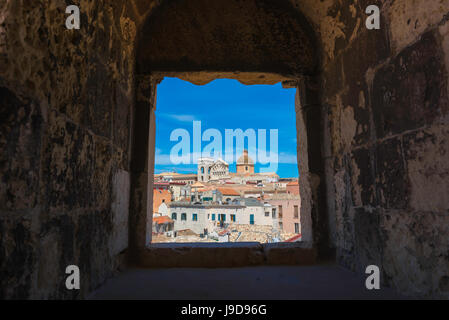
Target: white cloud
x,y
179,117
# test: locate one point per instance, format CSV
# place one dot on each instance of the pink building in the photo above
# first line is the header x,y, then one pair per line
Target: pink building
x,y
293,187
289,207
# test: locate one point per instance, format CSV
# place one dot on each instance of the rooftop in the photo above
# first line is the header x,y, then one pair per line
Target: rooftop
x,y
283,196
179,204
295,238
162,220
198,185
228,192
251,202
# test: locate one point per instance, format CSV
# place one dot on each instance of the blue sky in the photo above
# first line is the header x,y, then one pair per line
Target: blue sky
x,y
225,104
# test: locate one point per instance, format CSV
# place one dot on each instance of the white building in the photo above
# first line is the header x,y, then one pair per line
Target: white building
x,y
212,170
162,210
180,191
204,218
257,213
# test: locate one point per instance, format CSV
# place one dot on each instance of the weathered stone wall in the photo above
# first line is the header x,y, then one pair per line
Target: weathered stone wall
x,y
226,35
385,108
66,121
65,114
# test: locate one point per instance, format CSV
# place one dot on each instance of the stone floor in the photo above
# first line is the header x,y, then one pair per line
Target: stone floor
x,y
258,283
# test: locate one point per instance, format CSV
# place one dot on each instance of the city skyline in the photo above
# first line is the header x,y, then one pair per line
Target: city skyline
x,y
225,104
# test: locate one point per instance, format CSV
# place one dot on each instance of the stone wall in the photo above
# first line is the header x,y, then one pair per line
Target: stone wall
x,y
66,126
385,109
65,114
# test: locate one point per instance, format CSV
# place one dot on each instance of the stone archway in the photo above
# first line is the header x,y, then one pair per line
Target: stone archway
x,y
255,42
226,36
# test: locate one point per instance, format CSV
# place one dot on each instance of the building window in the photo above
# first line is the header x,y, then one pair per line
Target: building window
x,y
202,169
246,168
296,227
273,213
213,216
233,217
174,216
184,217
267,213
280,226
296,212
208,216
280,211
251,219
194,217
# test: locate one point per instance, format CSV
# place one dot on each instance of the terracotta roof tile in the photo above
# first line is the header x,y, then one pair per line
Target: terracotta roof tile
x,y
297,237
162,220
228,192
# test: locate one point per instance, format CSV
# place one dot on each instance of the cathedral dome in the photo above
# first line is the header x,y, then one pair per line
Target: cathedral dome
x,y
245,159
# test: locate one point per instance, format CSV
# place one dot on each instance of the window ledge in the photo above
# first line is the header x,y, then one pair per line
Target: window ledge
x,y
226,255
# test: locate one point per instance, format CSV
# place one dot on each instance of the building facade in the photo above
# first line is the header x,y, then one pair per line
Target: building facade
x,y
160,197
204,218
212,170
175,177
293,188
288,211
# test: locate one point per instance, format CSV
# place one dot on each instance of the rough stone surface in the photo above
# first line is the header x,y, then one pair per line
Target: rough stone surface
x,y
65,105
226,35
120,206
411,91
230,255
202,255
373,156
386,145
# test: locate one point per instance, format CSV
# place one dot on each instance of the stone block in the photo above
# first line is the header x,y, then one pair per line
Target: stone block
x,y
392,183
411,91
363,177
415,250
21,127
68,166
120,212
289,254
426,153
202,255
17,244
368,238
